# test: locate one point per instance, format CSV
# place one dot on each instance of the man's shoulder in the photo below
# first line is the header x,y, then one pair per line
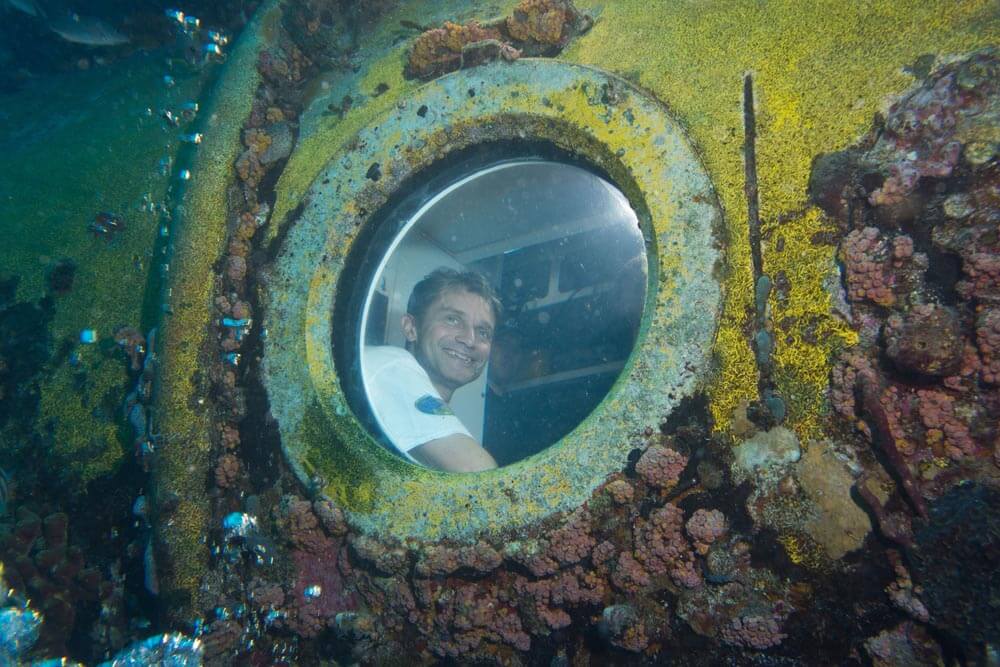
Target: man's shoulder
x,y
380,356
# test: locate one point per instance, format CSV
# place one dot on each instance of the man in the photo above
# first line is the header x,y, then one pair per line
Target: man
x,y
449,323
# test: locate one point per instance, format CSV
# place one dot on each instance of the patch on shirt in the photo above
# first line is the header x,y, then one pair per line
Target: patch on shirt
x,y
432,405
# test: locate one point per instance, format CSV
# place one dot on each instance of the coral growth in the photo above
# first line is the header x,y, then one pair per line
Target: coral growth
x,y
544,22
227,470
906,645
624,627
465,617
662,548
880,266
302,527
865,255
851,369
705,527
544,599
927,340
603,562
535,28
620,491
749,610
41,563
928,130
319,590
903,593
661,466
332,517
439,50
926,382
623,561
572,542
945,428
437,561
988,340
757,632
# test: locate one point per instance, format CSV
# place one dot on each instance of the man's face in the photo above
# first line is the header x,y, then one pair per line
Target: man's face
x,y
453,339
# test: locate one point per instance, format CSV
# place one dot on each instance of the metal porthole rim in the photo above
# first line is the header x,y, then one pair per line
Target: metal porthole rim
x,y
592,114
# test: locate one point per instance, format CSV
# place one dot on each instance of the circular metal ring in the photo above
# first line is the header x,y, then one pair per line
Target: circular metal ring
x,y
596,116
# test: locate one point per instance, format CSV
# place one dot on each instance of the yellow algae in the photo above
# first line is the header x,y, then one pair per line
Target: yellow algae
x,y
382,64
331,136
806,332
819,76
803,550
182,461
820,73
84,446
793,548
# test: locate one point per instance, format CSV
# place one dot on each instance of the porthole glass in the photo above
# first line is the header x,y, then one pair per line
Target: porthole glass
x,y
498,313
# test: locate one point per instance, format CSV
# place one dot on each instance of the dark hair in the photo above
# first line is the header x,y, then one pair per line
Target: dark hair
x,y
443,279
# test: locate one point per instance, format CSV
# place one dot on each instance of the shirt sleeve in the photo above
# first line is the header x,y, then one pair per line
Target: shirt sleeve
x,y
407,407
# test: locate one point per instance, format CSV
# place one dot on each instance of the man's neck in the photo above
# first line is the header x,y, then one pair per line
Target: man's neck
x,y
444,392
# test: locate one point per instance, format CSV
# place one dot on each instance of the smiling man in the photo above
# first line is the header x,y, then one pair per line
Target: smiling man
x,y
449,323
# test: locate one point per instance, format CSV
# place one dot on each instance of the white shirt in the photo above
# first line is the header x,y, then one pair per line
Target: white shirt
x,y
406,405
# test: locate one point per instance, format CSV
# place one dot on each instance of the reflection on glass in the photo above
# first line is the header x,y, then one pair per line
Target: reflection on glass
x,y
501,314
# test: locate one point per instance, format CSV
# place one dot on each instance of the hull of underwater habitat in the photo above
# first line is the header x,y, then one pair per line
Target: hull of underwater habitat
x,y
800,463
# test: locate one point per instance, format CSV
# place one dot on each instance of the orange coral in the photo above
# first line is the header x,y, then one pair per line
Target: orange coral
x,y
274,115
439,50
256,140
542,21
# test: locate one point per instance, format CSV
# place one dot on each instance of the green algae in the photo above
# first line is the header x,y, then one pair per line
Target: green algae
x,y
187,340
111,141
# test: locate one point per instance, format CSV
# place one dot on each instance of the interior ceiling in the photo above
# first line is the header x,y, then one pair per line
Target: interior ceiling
x,y
519,205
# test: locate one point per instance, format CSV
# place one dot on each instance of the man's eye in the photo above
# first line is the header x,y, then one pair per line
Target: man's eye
x,y
451,319
486,334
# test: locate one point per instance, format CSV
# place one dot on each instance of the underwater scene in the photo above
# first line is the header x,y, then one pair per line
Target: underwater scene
x,y
500,332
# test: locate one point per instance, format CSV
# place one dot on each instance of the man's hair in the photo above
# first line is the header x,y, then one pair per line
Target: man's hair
x,y
441,280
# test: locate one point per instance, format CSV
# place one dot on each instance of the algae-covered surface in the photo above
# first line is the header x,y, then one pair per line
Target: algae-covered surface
x,y
821,71
72,147
79,148
820,75
202,208
380,61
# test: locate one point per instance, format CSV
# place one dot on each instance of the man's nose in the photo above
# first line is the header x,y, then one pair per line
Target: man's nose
x,y
466,335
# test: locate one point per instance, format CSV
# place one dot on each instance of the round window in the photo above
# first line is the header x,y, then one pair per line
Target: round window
x,y
496,311
556,371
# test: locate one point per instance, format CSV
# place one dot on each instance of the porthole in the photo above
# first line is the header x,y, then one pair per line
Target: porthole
x,y
497,304
336,285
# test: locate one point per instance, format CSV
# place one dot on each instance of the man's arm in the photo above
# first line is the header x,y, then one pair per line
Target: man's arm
x,y
454,453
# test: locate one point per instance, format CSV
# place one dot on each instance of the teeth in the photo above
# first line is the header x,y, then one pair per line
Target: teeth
x,y
459,356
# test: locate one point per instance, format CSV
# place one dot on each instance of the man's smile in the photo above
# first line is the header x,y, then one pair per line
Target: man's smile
x,y
464,358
